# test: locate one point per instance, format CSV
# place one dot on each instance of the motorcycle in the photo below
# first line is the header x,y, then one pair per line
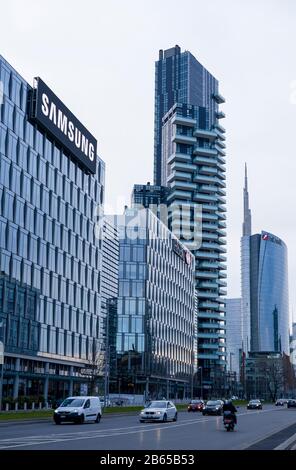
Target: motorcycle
x,y
228,421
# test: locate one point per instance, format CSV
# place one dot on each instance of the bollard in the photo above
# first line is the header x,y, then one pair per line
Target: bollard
x,y
7,407
25,406
33,406
16,406
40,405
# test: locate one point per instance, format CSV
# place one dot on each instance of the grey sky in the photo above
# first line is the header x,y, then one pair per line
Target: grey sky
x,y
99,58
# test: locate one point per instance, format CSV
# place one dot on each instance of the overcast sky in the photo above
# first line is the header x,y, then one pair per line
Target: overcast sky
x,y
98,57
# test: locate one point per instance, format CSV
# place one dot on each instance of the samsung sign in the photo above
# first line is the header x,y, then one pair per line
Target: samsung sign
x,y
54,117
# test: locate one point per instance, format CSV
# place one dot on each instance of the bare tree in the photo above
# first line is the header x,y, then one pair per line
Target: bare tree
x,y
274,376
95,368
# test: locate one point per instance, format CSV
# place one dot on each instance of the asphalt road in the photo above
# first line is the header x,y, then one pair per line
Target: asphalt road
x,y
191,431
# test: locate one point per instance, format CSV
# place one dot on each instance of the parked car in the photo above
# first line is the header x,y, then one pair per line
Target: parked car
x,y
159,410
196,405
78,410
213,407
254,405
291,403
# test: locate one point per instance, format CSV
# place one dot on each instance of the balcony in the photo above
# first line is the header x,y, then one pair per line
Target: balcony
x,y
214,316
206,255
203,160
208,336
208,265
176,194
207,346
204,151
211,246
183,166
198,178
210,236
179,175
220,143
220,115
179,157
208,170
201,197
208,285
183,138
218,98
220,128
221,159
208,188
208,356
180,184
206,216
206,275
210,207
205,134
209,226
209,305
183,121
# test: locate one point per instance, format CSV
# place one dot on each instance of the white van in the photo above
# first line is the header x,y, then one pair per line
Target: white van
x,y
78,410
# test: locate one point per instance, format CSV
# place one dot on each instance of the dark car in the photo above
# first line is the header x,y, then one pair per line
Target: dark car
x,y
280,402
213,407
254,405
196,405
291,403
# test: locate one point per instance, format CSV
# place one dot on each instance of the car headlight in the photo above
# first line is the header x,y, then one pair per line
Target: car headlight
x,y
142,412
55,411
158,412
217,408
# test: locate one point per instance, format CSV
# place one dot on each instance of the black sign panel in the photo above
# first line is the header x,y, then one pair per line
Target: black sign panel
x,y
54,117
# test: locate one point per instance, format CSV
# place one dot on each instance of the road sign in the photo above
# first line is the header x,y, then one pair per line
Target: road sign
x,y
1,353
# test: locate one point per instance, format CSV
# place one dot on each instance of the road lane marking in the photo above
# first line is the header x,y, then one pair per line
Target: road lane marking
x,y
103,433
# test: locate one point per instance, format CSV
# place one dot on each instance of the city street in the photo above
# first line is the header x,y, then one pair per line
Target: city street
x,y
191,431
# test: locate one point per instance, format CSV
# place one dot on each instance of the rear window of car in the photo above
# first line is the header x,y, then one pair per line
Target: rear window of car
x,y
211,403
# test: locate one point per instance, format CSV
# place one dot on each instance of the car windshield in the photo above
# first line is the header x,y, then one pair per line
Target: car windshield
x,y
213,403
72,402
255,401
157,404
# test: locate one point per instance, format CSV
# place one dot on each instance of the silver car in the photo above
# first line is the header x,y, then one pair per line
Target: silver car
x,y
160,410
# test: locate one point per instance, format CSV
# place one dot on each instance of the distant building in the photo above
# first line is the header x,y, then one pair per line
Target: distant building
x,y
264,280
234,335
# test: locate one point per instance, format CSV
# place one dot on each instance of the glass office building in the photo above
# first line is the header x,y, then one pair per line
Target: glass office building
x,y
269,299
50,259
234,335
156,336
179,78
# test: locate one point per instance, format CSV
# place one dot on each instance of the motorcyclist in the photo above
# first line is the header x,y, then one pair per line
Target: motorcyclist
x,y
228,406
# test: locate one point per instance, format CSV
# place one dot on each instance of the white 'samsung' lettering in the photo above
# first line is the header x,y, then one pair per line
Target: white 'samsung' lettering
x,y
59,119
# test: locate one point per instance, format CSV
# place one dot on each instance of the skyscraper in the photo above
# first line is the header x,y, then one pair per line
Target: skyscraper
x,y
264,280
234,335
245,267
179,78
191,163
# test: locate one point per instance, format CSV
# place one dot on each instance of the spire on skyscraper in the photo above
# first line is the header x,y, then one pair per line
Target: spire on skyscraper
x,y
247,224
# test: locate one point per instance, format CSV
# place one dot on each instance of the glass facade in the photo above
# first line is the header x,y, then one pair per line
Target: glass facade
x,y
48,248
179,78
234,335
269,299
156,307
